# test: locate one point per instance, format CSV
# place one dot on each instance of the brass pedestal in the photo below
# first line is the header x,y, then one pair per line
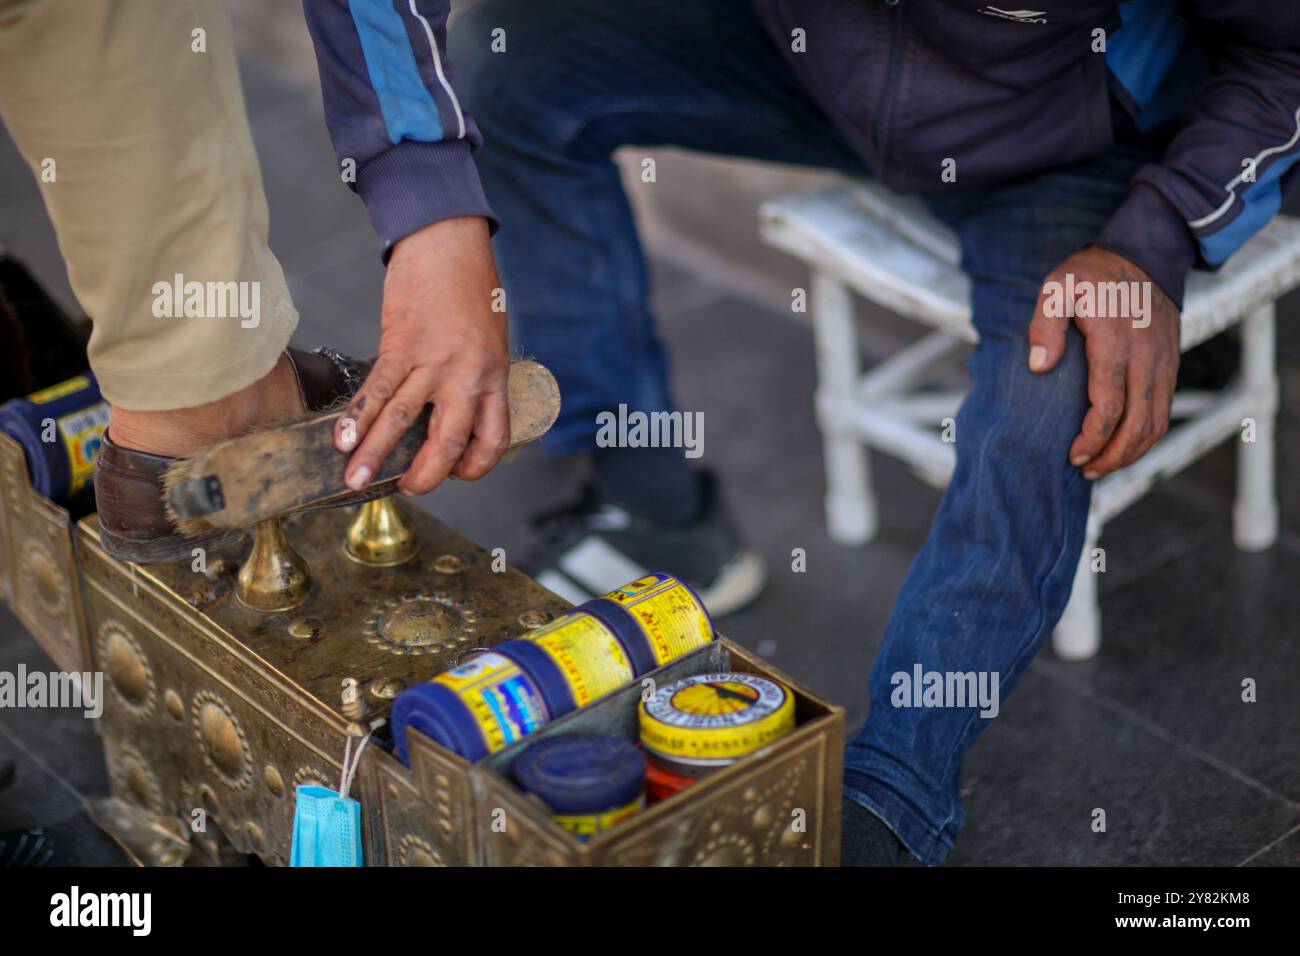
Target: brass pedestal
x,y
273,577
382,535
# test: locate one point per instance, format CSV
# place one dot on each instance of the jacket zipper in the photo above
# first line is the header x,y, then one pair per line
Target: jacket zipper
x,y
880,127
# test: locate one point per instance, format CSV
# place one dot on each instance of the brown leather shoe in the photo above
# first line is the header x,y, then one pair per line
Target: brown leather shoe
x,y
133,524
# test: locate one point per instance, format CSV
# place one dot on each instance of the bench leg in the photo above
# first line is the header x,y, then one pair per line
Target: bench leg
x,y
1078,634
1254,514
850,501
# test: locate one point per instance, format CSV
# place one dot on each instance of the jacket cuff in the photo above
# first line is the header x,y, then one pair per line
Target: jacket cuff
x,y
1151,233
413,185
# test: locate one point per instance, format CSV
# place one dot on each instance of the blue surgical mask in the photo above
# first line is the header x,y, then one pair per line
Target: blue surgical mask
x,y
326,824
326,829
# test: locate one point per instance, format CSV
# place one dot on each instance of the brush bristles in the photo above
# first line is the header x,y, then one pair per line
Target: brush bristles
x,y
183,470
179,472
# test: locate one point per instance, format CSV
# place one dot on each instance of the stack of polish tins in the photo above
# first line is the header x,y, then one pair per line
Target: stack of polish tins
x,y
505,694
689,728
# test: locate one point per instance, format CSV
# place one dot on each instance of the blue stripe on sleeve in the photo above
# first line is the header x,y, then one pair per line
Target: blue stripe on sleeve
x,y
1260,201
409,109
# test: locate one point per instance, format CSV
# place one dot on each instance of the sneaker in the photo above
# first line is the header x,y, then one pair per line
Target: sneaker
x,y
27,848
593,546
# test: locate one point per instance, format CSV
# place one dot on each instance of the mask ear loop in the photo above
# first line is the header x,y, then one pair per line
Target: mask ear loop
x,y
352,761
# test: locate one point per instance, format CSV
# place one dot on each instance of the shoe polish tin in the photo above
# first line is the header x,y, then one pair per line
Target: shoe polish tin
x,y
588,654
657,618
478,708
704,722
60,428
591,782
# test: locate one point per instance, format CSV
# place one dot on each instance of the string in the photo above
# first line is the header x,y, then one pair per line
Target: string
x,y
352,761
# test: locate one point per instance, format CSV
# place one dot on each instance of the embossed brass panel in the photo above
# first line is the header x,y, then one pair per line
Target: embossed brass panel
x,y
419,831
193,730
445,778
39,565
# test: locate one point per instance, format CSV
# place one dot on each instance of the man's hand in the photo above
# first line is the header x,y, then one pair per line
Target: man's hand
x,y
441,343
1132,357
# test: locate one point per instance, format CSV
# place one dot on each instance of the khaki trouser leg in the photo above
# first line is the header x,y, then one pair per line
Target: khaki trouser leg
x,y
143,154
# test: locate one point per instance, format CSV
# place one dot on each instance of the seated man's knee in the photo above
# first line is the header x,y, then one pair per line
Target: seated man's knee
x,y
1017,416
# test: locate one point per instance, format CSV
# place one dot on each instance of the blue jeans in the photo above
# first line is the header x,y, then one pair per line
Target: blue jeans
x,y
579,79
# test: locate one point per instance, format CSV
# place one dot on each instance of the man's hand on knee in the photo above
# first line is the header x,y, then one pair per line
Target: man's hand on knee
x,y
442,343
1131,330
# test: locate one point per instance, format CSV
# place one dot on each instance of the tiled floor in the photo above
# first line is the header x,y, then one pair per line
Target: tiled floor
x,y
1153,731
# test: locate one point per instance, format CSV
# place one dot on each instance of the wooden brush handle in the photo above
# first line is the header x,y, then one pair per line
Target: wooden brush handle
x,y
534,401
295,467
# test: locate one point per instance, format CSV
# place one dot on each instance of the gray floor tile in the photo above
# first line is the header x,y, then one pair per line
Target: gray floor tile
x,y
58,758
1033,781
1283,852
1179,642
63,739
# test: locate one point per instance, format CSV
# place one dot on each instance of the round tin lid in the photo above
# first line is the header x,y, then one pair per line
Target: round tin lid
x,y
712,719
582,773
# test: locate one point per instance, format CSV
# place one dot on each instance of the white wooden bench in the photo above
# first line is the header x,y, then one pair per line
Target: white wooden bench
x,y
859,237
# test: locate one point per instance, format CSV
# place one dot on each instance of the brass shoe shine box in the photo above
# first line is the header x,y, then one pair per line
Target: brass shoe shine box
x,y
214,703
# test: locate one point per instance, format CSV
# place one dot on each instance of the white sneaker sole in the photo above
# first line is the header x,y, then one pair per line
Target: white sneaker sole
x,y
590,571
739,582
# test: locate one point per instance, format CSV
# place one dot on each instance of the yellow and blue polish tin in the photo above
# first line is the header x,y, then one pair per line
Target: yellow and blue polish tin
x,y
658,618
702,723
60,429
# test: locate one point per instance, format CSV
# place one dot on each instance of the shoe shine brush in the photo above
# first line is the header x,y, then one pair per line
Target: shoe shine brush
x,y
294,466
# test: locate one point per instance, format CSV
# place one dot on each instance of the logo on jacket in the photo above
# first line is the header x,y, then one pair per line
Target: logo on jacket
x,y
1020,16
